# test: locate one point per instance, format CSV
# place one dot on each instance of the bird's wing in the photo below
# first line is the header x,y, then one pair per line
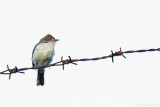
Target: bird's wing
x,y
33,53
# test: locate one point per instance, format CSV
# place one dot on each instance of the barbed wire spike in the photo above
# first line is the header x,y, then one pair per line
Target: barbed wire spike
x,y
70,61
14,70
63,62
121,53
112,56
9,72
118,53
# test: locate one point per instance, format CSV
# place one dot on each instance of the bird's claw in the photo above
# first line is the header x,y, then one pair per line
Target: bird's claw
x,y
35,67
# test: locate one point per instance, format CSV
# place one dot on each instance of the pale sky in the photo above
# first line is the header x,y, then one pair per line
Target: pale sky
x,y
86,29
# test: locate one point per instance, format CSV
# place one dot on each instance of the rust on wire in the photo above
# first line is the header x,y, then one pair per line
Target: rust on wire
x,y
118,53
11,71
72,61
67,61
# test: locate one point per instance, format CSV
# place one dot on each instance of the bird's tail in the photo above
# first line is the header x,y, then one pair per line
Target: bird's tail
x,y
40,77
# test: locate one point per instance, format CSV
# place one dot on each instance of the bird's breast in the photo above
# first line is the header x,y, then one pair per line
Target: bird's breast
x,y
43,54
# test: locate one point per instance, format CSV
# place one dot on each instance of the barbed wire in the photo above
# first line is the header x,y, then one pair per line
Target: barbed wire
x,y
72,61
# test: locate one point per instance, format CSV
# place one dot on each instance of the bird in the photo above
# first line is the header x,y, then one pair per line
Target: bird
x,y
42,55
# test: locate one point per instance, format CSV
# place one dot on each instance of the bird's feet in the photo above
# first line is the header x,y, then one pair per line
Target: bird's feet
x,y
35,67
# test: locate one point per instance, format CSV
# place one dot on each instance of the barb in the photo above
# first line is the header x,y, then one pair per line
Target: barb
x,y
67,61
11,71
72,61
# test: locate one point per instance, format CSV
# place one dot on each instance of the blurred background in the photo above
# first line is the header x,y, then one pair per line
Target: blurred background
x,y
86,29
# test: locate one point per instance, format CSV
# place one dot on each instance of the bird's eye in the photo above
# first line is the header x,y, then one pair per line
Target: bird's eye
x,y
50,38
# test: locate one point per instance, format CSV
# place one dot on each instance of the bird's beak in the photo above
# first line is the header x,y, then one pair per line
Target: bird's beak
x,y
56,40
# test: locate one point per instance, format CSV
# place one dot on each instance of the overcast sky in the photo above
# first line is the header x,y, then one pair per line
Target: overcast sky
x,y
86,29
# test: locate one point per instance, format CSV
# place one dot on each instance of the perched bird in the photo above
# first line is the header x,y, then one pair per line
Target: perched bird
x,y
42,55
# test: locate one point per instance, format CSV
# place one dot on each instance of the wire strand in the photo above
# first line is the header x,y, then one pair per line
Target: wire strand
x,y
72,61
